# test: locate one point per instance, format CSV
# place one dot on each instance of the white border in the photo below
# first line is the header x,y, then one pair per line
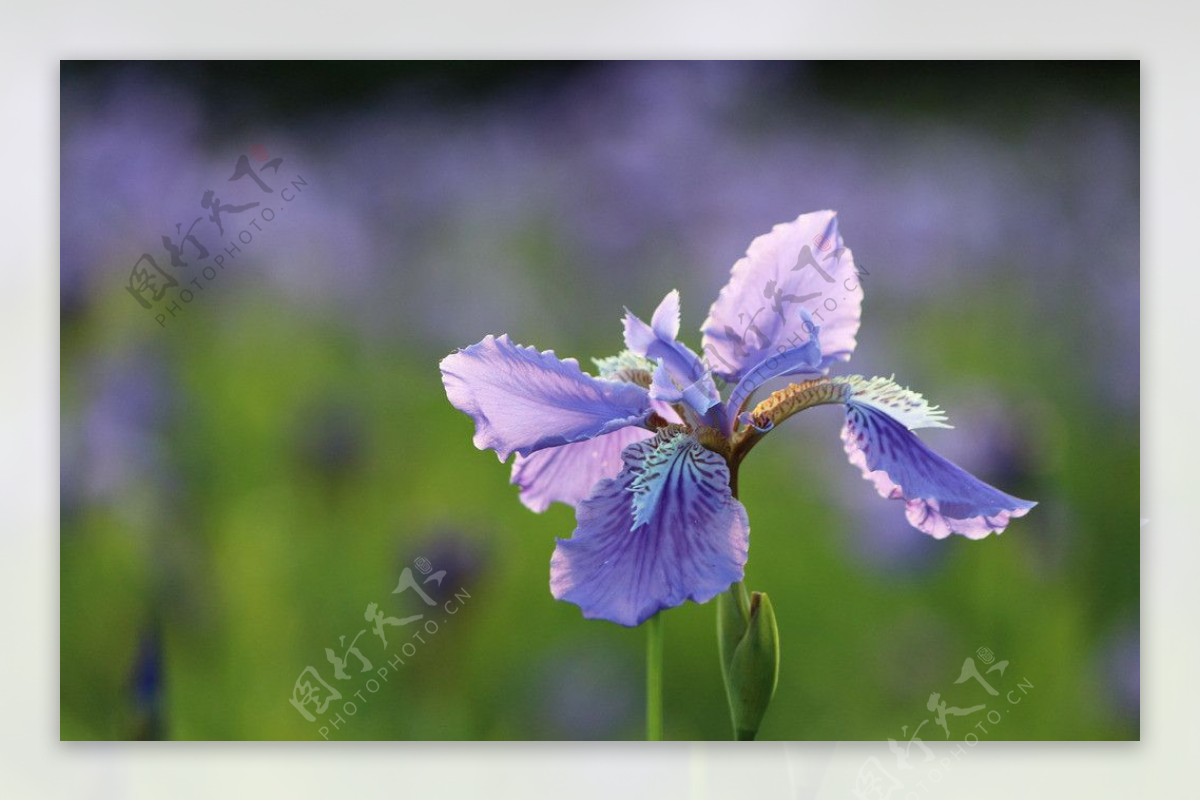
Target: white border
x,y
34,37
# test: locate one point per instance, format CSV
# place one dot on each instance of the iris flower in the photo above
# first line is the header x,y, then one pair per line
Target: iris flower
x,y
647,448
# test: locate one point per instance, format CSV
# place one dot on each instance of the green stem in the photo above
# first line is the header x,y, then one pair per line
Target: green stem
x,y
741,599
738,588
654,678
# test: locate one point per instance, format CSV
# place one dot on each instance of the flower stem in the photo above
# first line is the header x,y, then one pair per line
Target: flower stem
x,y
654,679
738,588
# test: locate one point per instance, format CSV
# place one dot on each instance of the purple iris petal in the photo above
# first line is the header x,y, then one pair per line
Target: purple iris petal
x,y
941,498
798,359
568,473
665,530
522,400
657,342
801,264
664,390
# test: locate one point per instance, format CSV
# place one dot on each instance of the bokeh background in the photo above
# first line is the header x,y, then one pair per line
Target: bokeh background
x,y
240,483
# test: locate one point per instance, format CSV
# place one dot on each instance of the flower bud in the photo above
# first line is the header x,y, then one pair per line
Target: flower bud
x,y
749,642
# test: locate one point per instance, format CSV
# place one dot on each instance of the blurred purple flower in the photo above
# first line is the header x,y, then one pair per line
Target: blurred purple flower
x,y
661,524
128,153
146,686
332,439
634,164
582,693
1120,671
114,446
460,555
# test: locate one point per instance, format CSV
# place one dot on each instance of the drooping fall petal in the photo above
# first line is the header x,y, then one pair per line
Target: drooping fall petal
x,y
667,529
523,400
940,497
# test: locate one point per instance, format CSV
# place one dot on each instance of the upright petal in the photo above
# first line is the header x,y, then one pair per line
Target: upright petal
x,y
940,497
801,264
663,389
522,400
665,530
665,321
802,359
657,342
569,473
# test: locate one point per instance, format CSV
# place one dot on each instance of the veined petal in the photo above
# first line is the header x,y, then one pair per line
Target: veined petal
x,y
569,473
801,264
522,400
667,529
940,497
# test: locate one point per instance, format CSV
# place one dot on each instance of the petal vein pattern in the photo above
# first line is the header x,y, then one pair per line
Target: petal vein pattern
x,y
665,530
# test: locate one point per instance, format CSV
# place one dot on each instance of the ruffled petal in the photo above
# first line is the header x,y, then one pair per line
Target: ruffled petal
x,y
522,400
665,530
940,497
569,473
801,264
